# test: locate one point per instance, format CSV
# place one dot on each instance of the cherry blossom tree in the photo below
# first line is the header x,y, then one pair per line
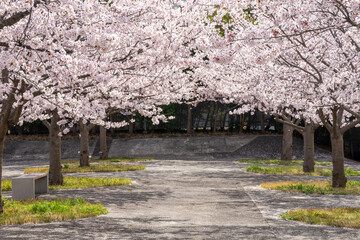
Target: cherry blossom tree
x,y
78,58
308,51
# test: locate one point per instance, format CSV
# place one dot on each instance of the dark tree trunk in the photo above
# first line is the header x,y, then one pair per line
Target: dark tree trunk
x,y
242,123
73,130
337,148
55,171
2,141
231,123
93,131
308,135
287,143
224,121
215,117
262,122
112,130
131,128
189,119
20,130
84,145
209,113
103,143
198,118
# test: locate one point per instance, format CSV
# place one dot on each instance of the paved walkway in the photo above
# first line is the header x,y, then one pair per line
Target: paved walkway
x,y
189,200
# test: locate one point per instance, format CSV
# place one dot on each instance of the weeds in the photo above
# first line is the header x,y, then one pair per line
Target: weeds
x,y
311,187
281,162
42,211
339,217
80,182
292,170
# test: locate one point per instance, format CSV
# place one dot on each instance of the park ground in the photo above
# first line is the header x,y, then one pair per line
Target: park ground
x,y
186,196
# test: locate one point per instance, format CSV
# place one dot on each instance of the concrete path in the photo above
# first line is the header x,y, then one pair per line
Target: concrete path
x,y
189,200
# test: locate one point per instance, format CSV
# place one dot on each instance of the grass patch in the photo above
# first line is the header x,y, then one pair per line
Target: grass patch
x,y
92,168
339,217
42,211
281,162
80,182
114,160
6,185
311,187
291,170
90,182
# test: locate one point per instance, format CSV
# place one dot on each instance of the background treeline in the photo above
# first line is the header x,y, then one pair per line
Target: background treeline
x,y
207,118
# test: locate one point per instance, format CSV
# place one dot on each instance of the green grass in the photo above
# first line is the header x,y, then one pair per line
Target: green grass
x,y
292,170
281,162
92,168
6,185
80,182
113,160
42,211
311,187
339,217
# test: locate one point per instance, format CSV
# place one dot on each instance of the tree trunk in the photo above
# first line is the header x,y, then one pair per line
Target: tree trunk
x,y
131,128
112,130
308,135
242,123
287,143
84,145
103,143
20,130
73,130
55,171
2,140
93,131
189,119
262,124
215,117
337,148
207,118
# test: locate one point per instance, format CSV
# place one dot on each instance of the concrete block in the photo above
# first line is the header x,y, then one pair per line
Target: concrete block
x,y
26,186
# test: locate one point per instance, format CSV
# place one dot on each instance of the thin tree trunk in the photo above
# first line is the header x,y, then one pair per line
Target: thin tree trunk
x,y
215,117
93,131
308,135
207,117
287,143
224,121
242,123
20,130
131,128
55,171
198,118
103,143
337,148
112,130
84,145
73,130
189,119
2,141
262,124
